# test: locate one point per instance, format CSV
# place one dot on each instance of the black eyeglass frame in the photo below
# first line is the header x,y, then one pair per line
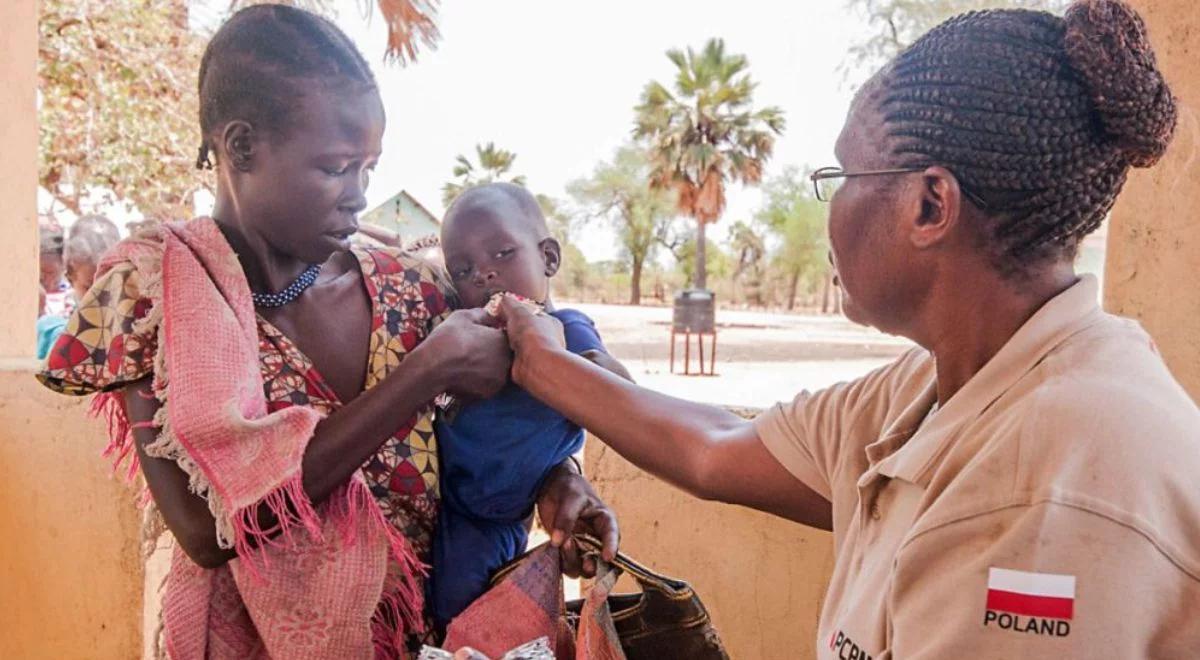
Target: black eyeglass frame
x,y
835,172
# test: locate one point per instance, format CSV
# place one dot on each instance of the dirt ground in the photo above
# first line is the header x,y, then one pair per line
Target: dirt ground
x,y
761,357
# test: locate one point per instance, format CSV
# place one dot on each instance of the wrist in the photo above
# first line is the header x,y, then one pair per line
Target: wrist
x,y
565,471
527,362
424,365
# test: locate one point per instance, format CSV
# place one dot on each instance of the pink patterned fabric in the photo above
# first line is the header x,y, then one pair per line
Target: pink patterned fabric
x,y
597,638
525,605
332,581
528,604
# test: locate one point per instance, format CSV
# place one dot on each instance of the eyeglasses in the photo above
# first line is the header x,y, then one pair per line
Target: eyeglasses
x,y
827,180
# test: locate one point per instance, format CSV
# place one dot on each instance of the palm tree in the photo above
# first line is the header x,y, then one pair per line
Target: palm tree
x,y
706,134
409,22
491,165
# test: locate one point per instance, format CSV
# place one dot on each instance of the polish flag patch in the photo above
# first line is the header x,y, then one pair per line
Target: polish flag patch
x,y
1044,595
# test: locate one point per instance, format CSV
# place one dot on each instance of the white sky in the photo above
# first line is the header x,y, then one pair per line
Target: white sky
x,y
556,82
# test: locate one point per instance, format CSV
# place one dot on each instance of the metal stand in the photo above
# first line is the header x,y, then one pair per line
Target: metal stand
x,y
687,352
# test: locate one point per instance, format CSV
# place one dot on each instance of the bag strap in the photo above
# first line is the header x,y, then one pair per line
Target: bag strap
x,y
592,546
645,576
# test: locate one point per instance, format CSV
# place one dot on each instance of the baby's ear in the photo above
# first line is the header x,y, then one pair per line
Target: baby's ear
x,y
551,255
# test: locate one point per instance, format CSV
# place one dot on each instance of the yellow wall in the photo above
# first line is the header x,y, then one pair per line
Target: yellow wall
x,y
18,177
1153,263
762,578
70,569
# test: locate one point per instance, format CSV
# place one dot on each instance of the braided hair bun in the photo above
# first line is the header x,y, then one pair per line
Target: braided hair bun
x,y
1107,45
1038,117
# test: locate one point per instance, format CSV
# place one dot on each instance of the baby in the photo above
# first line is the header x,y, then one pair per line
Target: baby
x,y
495,453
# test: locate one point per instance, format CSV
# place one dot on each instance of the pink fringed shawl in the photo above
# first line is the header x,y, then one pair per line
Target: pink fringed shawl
x,y
334,580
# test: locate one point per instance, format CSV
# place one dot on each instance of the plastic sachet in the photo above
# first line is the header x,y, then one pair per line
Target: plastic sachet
x,y
538,649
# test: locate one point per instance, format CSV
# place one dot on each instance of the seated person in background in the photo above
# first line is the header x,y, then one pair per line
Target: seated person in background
x,y
49,326
496,452
51,267
87,240
53,291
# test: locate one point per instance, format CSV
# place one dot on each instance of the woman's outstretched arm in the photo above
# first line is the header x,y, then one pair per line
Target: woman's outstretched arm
x,y
705,450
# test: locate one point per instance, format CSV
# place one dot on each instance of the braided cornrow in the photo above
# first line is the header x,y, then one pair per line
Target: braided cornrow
x,y
260,62
1039,117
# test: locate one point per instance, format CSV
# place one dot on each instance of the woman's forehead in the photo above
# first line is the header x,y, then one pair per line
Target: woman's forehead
x,y
332,121
864,141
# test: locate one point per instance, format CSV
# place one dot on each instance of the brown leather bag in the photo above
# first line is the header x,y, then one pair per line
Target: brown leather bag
x,y
666,620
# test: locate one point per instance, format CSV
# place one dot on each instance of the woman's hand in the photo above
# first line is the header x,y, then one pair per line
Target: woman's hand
x,y
568,505
529,332
472,357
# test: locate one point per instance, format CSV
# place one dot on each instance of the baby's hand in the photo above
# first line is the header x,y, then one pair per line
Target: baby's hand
x,y
568,505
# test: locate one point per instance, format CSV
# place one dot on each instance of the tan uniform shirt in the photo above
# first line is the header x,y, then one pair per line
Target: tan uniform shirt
x,y
1051,509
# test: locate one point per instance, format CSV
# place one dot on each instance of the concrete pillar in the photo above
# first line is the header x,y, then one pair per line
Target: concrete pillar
x,y
1153,261
70,564
18,178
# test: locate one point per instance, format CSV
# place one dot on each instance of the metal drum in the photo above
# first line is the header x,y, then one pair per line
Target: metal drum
x,y
694,311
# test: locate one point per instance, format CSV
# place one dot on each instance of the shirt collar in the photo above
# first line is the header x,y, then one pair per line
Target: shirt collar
x,y
1061,317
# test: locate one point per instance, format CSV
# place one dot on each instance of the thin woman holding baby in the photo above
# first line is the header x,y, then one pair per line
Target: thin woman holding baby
x,y
275,382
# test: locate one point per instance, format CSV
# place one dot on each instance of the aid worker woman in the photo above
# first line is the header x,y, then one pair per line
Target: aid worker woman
x,y
1024,484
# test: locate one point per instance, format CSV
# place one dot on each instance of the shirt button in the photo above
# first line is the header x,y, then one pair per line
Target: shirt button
x,y
876,514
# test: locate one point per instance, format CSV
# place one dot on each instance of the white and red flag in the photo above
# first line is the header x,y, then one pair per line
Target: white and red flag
x,y
1044,595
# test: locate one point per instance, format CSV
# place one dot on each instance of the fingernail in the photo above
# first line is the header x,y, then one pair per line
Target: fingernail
x,y
556,539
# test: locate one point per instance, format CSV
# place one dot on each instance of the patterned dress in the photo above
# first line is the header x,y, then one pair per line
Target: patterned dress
x,y
100,350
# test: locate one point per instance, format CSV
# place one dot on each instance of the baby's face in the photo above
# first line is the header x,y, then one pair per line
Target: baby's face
x,y
488,253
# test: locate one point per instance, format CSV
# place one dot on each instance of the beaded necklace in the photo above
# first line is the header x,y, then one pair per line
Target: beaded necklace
x,y
292,292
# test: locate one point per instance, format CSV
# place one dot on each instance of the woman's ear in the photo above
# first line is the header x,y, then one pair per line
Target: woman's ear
x,y
551,255
238,144
940,205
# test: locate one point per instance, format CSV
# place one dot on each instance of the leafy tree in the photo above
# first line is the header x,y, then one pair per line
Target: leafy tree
x,y
797,220
575,274
491,164
749,258
706,133
118,103
558,220
897,23
618,192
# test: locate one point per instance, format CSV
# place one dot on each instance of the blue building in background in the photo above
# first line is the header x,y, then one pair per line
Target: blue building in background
x,y
404,215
